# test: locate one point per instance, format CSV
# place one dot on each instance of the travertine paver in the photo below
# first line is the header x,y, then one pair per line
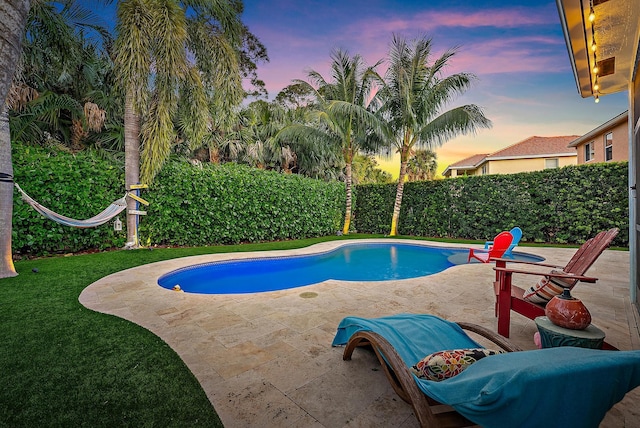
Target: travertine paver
x,y
265,359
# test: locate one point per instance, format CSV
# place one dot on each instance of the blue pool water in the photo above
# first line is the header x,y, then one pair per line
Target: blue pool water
x,y
352,262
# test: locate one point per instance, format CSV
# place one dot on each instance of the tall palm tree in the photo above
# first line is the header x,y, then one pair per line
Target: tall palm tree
x,y
51,32
341,116
414,99
156,39
13,19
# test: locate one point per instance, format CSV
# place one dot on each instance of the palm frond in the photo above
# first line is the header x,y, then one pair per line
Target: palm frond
x,y
157,134
43,115
193,116
461,120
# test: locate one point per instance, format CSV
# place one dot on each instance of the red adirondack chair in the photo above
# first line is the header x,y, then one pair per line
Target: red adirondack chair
x,y
501,244
510,297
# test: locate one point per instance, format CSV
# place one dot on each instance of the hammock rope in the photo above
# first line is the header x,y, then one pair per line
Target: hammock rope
x,y
110,212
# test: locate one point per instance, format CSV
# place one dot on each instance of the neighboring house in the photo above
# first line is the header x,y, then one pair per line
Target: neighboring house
x,y
467,166
608,142
614,64
533,154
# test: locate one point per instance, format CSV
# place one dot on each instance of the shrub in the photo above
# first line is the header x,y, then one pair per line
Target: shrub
x,y
234,203
565,205
215,204
78,186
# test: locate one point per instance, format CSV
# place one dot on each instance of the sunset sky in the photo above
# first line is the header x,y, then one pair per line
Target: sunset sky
x,y
515,47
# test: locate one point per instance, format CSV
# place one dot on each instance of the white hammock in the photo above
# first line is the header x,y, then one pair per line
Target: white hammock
x,y
110,212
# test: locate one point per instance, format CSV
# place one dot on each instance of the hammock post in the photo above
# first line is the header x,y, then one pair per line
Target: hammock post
x,y
134,193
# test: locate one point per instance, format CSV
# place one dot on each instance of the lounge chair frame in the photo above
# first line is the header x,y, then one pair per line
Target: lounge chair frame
x,y
430,413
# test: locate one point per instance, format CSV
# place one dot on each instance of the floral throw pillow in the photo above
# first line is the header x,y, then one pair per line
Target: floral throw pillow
x,y
446,364
546,288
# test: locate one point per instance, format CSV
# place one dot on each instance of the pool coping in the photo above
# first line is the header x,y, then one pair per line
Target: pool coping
x,y
264,359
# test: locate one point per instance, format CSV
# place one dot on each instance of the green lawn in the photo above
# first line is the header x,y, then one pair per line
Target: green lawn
x,y
64,365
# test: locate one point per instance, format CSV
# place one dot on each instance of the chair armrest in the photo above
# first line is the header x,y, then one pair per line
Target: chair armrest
x,y
553,275
490,335
502,259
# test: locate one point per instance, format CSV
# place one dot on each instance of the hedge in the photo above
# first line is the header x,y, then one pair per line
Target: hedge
x,y
565,205
224,204
214,204
234,203
78,186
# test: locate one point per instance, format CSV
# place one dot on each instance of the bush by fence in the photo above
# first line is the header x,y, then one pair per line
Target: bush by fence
x,y
565,205
189,205
231,204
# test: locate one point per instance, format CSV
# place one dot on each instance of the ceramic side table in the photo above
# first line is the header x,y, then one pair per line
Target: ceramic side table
x,y
552,335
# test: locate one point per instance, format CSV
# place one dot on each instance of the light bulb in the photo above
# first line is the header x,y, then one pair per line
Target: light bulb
x,y
595,69
592,15
593,46
597,100
596,87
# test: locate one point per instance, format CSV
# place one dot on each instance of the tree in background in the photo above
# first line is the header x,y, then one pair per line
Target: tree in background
x,y
169,51
366,171
340,118
414,99
422,165
61,89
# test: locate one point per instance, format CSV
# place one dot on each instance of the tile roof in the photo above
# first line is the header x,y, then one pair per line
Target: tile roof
x,y
537,146
470,162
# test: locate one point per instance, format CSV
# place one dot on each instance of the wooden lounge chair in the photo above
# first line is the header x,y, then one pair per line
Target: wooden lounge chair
x,y
430,413
510,297
500,245
523,389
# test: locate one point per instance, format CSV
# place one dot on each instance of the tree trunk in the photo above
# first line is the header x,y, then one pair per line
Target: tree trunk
x,y
13,18
131,164
214,154
398,203
6,198
347,215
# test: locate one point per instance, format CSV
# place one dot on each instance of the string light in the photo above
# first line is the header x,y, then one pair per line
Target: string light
x,y
594,47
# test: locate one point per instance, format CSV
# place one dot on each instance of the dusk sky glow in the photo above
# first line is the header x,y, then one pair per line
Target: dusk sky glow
x,y
515,48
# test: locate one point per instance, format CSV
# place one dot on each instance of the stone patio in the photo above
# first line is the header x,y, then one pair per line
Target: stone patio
x,y
265,359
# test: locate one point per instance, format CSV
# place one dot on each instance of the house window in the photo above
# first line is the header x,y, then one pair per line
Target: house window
x,y
608,147
550,163
485,169
589,151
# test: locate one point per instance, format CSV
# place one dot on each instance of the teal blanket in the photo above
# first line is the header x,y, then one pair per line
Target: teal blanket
x,y
568,387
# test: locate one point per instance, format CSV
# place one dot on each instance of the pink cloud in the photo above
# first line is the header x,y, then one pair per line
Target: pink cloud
x,y
430,21
293,52
498,18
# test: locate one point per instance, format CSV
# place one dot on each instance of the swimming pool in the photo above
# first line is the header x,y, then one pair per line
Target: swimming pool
x,y
351,262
